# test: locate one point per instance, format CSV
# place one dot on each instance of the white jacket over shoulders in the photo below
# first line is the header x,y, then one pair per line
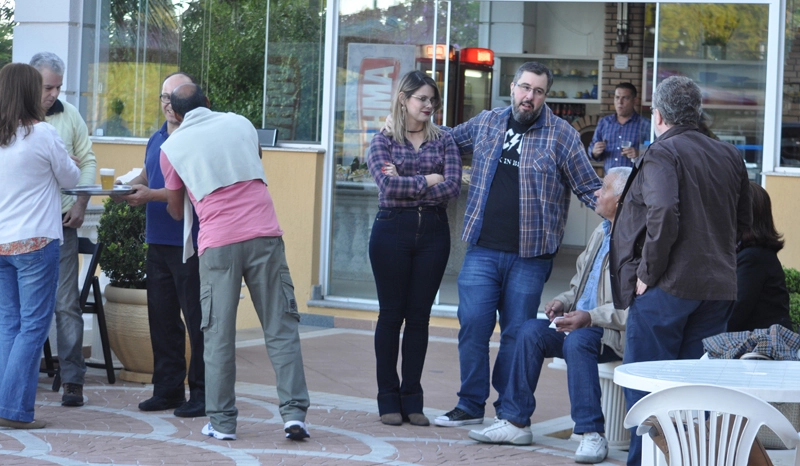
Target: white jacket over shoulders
x,y
33,169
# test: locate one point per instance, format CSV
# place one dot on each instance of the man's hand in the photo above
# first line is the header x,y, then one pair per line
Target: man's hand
x,y
640,286
573,321
140,195
74,216
387,126
598,148
76,160
554,309
630,152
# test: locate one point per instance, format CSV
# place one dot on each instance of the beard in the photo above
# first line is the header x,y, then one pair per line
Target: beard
x,y
522,116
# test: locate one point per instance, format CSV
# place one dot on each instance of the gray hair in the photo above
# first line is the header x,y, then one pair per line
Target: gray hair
x,y
535,68
679,101
48,60
621,175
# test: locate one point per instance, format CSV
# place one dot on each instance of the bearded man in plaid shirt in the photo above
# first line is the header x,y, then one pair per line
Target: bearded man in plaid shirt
x,y
525,162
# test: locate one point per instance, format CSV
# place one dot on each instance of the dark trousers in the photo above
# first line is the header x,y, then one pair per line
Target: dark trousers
x,y
661,327
408,250
172,286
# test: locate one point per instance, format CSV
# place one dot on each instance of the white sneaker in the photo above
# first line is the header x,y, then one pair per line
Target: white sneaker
x,y
593,448
208,429
503,431
296,430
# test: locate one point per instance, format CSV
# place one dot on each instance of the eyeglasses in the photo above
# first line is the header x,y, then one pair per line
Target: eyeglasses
x,y
425,100
165,98
526,89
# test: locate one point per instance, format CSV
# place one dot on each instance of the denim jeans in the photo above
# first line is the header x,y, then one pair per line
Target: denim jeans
x,y
172,286
28,289
493,282
408,250
661,326
69,318
582,349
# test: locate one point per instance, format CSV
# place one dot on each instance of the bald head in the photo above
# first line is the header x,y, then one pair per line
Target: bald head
x,y
186,98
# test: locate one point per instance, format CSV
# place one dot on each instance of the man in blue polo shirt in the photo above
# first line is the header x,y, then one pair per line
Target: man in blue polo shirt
x,y
617,138
171,284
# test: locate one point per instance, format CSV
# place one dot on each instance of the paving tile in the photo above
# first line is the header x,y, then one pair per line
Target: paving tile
x,y
343,419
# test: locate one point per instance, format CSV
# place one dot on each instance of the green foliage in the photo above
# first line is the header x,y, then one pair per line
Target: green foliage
x,y
793,286
122,231
6,31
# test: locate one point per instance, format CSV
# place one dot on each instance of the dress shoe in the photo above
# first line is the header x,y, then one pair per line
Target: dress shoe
x,y
191,409
392,419
418,419
21,424
158,403
73,395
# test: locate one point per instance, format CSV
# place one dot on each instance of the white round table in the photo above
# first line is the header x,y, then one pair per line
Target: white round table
x,y
774,381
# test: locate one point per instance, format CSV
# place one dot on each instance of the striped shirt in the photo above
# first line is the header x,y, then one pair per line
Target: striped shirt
x,y
409,188
552,163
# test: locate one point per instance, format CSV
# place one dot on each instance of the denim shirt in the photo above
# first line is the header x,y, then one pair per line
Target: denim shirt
x,y
588,299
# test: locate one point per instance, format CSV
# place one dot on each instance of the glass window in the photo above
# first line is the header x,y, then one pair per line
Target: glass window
x,y
131,45
723,48
377,46
790,127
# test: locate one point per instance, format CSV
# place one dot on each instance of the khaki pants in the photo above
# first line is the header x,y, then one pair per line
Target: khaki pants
x,y
262,264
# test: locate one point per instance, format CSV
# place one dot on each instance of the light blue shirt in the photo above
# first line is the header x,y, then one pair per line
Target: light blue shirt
x,y
588,299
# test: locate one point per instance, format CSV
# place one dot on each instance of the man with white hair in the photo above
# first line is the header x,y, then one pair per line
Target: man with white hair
x,y
73,131
584,328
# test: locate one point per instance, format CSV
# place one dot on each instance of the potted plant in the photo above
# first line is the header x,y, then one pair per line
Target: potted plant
x,y
122,230
124,261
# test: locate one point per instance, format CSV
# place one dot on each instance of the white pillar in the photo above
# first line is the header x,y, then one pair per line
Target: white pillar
x,y
51,26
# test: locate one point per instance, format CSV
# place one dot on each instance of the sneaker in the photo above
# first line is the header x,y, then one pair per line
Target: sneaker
x,y
457,417
503,431
593,448
208,429
191,409
296,430
73,395
159,403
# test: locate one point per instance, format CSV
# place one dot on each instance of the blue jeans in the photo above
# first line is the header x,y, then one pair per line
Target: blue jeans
x,y
28,289
408,250
69,318
660,327
493,282
582,349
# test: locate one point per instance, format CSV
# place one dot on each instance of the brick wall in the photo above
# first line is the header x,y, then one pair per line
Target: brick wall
x,y
611,75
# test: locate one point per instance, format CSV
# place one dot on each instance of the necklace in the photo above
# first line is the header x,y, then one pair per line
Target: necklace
x,y
417,131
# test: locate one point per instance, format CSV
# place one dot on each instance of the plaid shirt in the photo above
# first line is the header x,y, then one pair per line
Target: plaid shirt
x,y
636,130
551,163
410,189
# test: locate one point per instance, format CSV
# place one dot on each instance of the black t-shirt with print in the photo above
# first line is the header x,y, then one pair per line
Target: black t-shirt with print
x,y
500,229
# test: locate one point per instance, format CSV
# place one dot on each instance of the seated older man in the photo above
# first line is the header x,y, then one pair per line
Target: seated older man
x,y
584,329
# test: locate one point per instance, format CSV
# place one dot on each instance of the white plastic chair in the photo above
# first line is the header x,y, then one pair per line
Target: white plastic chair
x,y
681,411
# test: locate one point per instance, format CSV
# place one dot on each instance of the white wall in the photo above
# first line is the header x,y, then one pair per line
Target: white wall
x,y
570,29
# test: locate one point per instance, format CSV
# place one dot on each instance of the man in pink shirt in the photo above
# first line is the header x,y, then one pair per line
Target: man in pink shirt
x,y
214,159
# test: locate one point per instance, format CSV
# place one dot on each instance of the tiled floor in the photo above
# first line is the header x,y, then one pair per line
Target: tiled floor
x,y
343,418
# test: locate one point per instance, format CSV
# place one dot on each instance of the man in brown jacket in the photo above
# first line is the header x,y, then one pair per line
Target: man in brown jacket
x,y
673,247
